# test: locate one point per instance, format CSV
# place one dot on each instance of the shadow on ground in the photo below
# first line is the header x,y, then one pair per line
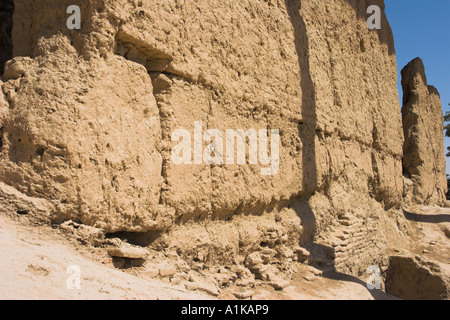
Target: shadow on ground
x,y
427,218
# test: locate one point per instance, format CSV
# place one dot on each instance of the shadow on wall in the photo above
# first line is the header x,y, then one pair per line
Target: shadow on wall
x,y
385,34
322,256
6,23
307,129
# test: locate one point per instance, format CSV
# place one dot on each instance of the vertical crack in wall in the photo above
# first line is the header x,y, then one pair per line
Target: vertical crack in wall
x,y
161,83
155,62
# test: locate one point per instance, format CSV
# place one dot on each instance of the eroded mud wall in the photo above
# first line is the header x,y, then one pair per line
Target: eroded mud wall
x,y
90,114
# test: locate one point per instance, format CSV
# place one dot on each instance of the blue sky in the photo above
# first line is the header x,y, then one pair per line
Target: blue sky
x,y
422,29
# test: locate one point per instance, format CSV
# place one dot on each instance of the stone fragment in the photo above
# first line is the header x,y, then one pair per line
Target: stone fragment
x,y
203,286
279,283
128,252
261,295
16,67
253,259
150,272
243,294
167,270
224,277
183,276
302,254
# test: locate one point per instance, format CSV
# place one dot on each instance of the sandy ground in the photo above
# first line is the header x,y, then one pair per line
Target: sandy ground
x,y
37,262
430,231
34,265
